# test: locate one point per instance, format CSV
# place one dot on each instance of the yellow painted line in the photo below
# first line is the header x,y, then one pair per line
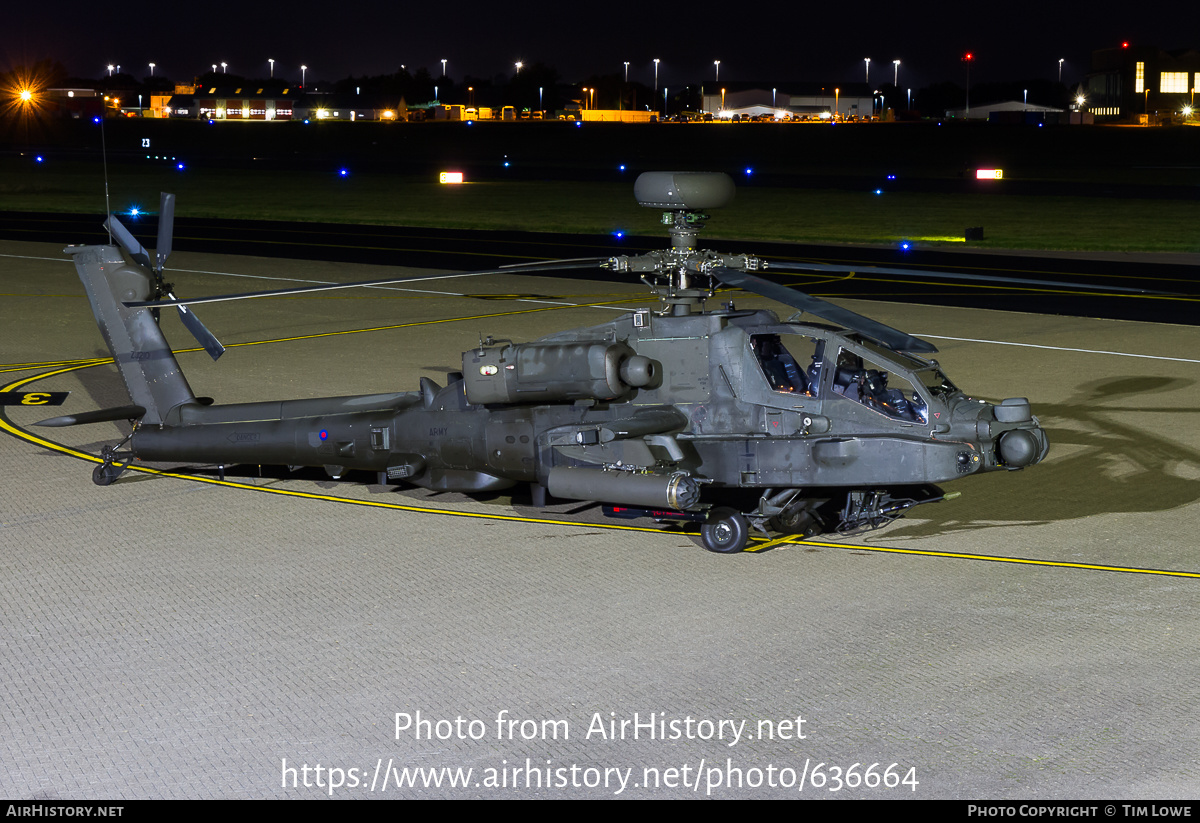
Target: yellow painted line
x,y
1022,561
91,361
770,544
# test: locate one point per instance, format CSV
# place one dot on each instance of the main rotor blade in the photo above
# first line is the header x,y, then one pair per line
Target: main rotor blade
x,y
203,336
127,241
152,304
166,226
564,263
935,275
872,329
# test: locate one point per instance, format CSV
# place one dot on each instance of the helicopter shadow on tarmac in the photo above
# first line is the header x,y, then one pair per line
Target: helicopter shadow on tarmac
x,y
1107,462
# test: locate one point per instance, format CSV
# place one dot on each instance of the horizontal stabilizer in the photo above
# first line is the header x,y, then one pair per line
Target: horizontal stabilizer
x,y
98,416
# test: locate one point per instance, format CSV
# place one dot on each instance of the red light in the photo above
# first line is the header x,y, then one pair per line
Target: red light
x,y
969,56
1125,45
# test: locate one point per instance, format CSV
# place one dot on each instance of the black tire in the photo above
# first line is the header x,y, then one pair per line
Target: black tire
x,y
800,521
726,532
104,475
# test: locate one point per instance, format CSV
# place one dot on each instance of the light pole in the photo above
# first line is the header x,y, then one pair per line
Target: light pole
x,y
664,101
519,66
272,62
896,73
443,67
303,69
656,74
224,68
1060,62
717,63
540,98
967,59
151,69
627,72
1025,102
867,60
110,69
214,65
836,107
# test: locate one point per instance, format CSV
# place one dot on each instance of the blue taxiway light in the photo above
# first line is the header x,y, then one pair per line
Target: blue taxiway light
x,y
179,166
749,171
879,191
343,172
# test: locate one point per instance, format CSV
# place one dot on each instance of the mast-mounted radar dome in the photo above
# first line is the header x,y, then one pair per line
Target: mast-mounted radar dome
x,y
685,190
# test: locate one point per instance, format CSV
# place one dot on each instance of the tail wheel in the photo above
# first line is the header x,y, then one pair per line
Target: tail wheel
x,y
726,532
105,474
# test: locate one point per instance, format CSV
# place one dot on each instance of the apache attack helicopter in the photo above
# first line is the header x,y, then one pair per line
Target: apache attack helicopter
x,y
728,417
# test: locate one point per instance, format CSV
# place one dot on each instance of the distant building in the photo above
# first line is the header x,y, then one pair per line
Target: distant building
x,y
246,103
1132,81
71,103
855,100
997,112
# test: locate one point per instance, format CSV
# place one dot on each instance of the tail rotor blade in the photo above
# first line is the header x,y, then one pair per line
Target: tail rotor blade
x,y
203,336
166,228
127,241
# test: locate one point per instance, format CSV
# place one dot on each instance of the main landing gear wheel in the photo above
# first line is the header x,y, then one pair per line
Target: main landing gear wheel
x,y
726,532
800,520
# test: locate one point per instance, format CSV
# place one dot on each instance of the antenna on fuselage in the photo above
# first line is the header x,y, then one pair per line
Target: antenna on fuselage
x,y
104,160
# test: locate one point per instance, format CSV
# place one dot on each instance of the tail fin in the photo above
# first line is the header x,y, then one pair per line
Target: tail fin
x,y
151,374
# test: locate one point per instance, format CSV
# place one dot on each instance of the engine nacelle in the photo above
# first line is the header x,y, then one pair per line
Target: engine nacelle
x,y
555,372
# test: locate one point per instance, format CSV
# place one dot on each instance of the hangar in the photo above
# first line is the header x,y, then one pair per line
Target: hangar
x,y
1142,82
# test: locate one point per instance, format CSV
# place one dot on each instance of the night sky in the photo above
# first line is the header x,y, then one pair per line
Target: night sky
x,y
767,41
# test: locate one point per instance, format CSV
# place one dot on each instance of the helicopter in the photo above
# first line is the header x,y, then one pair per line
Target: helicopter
x,y
728,418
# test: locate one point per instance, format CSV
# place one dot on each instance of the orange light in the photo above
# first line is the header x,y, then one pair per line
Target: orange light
x,y
450,177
